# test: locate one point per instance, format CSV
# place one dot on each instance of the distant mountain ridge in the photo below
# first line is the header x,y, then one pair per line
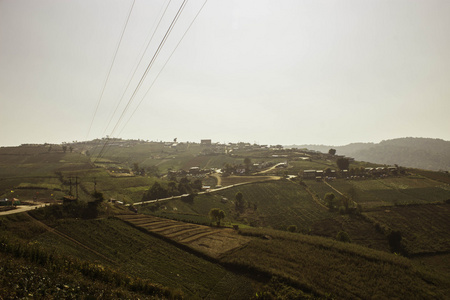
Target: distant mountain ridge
x,y
422,153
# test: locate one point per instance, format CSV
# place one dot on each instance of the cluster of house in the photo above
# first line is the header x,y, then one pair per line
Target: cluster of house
x,y
319,174
9,202
193,171
353,173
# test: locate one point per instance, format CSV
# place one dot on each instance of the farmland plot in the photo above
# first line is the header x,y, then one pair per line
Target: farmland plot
x,y
205,239
281,203
332,269
424,228
139,254
372,193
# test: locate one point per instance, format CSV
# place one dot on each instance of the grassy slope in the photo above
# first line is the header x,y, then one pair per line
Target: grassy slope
x,y
278,205
335,269
35,172
372,193
424,228
135,253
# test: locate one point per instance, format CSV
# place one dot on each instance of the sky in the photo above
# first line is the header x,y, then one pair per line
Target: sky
x,y
267,72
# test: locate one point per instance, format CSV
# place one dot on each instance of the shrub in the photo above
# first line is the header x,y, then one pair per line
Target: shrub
x,y
292,228
343,237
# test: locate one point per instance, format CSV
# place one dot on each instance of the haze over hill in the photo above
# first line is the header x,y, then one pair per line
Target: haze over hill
x,y
423,153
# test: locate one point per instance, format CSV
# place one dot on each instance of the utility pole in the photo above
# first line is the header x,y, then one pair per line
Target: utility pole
x,y
76,186
70,182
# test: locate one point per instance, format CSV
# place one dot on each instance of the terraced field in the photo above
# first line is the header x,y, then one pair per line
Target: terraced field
x,y
208,240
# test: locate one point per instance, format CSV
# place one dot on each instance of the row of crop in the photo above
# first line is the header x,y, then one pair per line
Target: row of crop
x,y
423,228
141,254
281,203
57,263
329,268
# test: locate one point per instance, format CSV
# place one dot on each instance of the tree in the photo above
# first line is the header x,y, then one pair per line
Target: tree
x,y
64,147
153,171
155,192
332,151
216,215
329,197
98,196
172,186
395,242
197,185
292,228
240,203
343,237
343,163
184,186
228,169
247,163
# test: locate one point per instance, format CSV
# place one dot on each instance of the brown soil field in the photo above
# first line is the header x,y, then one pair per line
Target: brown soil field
x,y
207,240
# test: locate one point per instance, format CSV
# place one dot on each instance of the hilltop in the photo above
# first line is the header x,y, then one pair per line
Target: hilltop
x,y
422,153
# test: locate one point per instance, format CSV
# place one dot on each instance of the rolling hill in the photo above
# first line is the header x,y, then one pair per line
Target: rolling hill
x,y
422,153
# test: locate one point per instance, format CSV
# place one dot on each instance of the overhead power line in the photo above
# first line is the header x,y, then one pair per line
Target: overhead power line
x,y
136,67
169,30
163,41
160,71
110,68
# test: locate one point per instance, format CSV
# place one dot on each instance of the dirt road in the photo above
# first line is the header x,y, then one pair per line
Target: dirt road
x,y
20,209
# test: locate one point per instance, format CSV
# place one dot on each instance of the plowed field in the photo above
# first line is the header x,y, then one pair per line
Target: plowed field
x,y
208,240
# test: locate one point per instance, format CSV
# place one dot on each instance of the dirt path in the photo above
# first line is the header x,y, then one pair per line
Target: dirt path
x,y
20,209
313,196
332,187
210,191
337,191
218,178
270,169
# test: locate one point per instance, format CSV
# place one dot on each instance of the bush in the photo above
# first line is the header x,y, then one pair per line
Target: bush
x,y
395,242
292,228
342,236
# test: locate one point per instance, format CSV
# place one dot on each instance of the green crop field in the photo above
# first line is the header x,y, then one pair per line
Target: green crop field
x,y
333,269
393,191
278,205
102,245
424,228
122,247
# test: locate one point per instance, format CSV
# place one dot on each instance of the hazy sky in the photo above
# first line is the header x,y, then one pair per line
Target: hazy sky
x,y
271,72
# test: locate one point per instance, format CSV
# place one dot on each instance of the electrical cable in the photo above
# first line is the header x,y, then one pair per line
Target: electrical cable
x,y
137,66
151,63
168,59
110,68
180,10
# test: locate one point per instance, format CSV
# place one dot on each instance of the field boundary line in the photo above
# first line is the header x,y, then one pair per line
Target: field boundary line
x,y
59,233
313,196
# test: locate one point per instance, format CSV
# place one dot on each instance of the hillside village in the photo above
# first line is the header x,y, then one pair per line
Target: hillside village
x,y
219,204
